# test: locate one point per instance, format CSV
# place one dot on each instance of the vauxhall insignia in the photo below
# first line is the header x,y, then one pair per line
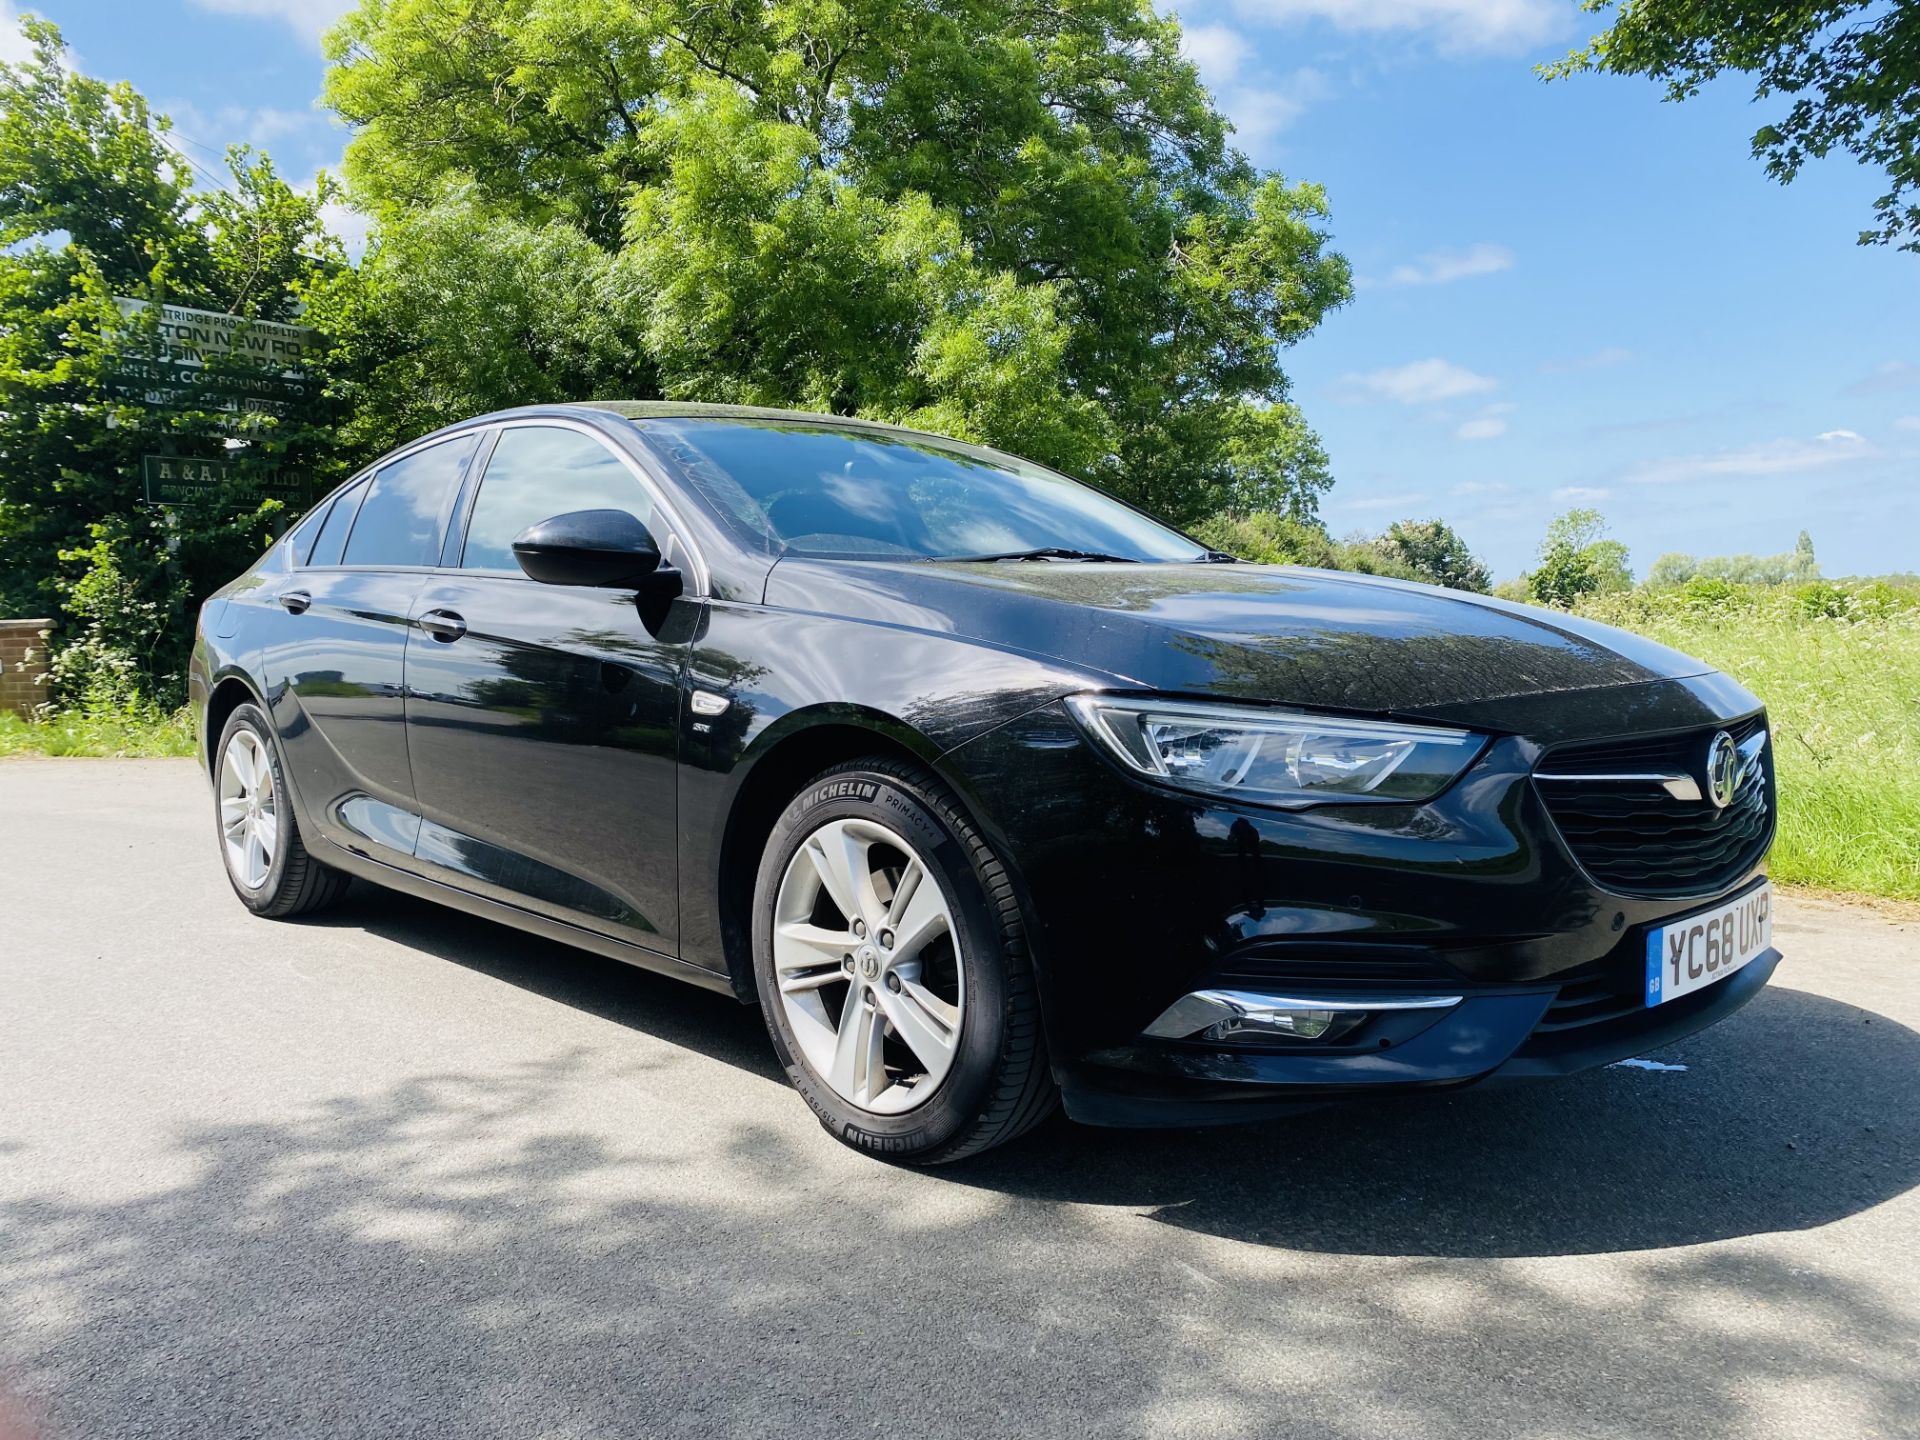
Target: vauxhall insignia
x,y
1723,770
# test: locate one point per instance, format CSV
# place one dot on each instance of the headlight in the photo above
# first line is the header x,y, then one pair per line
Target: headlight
x,y
1277,757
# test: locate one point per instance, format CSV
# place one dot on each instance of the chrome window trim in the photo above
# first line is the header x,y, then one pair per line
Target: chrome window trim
x,y
387,462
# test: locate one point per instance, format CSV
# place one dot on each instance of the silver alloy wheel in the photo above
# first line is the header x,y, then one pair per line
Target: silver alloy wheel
x,y
249,817
864,946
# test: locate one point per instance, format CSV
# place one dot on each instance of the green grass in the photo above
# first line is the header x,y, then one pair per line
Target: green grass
x,y
121,735
1843,693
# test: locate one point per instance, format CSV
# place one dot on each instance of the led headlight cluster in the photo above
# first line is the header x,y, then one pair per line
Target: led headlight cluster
x,y
1277,757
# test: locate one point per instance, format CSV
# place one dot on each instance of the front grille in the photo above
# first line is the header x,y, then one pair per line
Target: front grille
x,y
1635,838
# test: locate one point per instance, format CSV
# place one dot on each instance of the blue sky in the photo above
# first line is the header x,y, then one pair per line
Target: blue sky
x,y
1571,294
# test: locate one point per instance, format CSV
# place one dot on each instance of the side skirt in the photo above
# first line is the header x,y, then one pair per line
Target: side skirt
x,y
393,878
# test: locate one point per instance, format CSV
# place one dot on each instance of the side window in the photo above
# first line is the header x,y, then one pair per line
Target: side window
x,y
399,521
300,542
333,532
537,472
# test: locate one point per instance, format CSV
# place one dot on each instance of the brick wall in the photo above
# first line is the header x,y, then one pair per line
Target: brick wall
x,y
23,665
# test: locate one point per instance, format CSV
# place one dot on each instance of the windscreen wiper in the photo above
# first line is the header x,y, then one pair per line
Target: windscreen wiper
x,y
1047,552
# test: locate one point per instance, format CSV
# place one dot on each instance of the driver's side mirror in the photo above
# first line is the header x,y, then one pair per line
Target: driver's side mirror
x,y
607,548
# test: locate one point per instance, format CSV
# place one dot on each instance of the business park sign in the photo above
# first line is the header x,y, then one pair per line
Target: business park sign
x,y
207,360
191,368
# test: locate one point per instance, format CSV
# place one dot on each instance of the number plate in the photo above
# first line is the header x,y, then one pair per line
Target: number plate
x,y
1692,953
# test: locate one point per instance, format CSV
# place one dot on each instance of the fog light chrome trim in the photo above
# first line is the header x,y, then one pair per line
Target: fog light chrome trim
x,y
1255,1014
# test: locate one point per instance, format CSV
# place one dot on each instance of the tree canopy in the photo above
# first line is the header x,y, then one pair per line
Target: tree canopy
x,y
94,205
1849,70
1020,224
1577,559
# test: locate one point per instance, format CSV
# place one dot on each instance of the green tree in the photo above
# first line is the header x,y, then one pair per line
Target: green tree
x,y
1671,569
95,205
1804,567
1850,70
1023,225
1435,553
1577,559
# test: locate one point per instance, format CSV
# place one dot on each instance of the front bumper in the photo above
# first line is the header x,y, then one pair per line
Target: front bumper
x,y
1142,895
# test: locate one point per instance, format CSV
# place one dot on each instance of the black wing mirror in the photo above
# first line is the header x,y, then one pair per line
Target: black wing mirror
x,y
609,548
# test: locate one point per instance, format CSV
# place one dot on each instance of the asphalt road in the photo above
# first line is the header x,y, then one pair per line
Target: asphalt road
x,y
399,1172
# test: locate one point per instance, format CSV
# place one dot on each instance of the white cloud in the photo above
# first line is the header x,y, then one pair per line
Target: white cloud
x,y
1580,494
1597,360
1259,112
14,48
1455,24
1219,51
348,225
1442,267
1894,375
309,17
1424,382
1387,502
208,133
1774,457
1489,424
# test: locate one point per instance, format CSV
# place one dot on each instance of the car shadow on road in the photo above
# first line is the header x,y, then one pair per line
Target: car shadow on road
x,y
1793,1113
682,1014
1796,1112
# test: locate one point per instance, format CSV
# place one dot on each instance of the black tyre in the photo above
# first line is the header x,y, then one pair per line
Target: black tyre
x,y
892,965
260,844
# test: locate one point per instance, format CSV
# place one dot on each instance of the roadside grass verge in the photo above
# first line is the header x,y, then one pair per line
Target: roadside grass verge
x,y
135,734
1841,680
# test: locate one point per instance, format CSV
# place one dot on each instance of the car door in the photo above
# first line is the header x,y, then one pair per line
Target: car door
x,y
334,664
542,720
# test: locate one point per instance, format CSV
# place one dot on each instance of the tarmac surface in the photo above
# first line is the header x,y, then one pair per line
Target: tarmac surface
x,y
399,1172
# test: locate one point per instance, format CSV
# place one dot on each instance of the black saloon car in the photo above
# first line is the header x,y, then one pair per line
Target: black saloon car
x,y
986,788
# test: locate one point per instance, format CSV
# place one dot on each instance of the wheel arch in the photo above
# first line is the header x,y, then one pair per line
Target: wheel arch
x,y
790,753
229,693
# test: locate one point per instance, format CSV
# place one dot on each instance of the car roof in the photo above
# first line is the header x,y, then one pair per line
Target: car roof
x,y
701,410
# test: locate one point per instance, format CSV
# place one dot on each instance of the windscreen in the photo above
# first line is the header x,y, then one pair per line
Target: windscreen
x,y
867,495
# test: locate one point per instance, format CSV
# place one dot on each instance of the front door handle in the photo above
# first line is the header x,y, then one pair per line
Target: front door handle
x,y
443,625
295,601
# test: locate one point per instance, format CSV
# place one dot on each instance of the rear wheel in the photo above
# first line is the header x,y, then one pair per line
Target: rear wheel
x,y
891,961
260,844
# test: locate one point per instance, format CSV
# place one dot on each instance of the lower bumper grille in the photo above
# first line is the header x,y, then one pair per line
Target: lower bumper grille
x,y
1590,1000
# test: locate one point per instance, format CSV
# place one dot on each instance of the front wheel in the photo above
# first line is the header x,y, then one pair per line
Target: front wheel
x,y
891,961
266,859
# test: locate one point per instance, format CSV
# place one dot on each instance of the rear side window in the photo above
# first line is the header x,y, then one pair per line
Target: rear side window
x,y
399,521
333,532
535,473
300,542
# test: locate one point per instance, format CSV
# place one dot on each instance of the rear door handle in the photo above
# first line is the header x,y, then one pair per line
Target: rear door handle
x,y
443,625
296,601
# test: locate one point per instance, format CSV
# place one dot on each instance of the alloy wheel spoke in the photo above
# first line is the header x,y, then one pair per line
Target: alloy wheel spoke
x,y
923,1033
807,957
244,766
858,1071
840,858
922,918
